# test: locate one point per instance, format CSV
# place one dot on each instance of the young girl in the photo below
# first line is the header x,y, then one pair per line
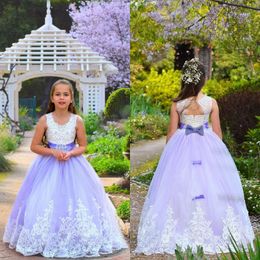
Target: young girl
x,y
196,197
62,209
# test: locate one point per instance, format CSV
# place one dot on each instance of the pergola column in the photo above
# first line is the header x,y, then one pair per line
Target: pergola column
x,y
93,90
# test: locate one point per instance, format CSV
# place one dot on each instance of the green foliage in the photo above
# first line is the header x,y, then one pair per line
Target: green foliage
x,y
123,210
26,122
252,142
145,168
189,254
8,142
248,167
240,252
148,126
4,164
115,189
118,104
92,122
106,166
252,195
144,179
110,145
146,45
143,104
160,89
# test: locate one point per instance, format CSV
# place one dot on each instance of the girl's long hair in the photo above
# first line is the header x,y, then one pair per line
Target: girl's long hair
x,y
196,79
51,106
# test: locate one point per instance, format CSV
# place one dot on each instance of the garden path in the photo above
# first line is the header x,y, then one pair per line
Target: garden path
x,y
9,187
146,150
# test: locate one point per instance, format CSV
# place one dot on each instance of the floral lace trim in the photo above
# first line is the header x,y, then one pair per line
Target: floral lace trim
x,y
78,236
198,233
61,134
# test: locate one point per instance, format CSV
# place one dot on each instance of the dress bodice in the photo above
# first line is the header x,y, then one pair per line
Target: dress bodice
x,y
61,134
195,120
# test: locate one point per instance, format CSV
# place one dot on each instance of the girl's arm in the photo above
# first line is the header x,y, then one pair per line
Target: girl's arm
x,y
215,121
174,121
81,140
36,145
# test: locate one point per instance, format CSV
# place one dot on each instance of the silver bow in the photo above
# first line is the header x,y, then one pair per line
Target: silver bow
x,y
190,130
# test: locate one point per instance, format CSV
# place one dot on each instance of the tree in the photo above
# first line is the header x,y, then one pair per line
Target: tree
x,y
104,27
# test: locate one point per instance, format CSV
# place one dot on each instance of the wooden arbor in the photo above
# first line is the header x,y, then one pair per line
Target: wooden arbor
x,y
49,51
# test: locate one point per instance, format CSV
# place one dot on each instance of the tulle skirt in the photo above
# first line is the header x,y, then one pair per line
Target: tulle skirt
x,y
62,211
195,198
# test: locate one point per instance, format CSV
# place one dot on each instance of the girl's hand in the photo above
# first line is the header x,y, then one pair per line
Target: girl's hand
x,y
59,155
67,155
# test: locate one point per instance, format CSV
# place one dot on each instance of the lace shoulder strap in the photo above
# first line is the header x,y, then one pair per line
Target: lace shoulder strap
x,y
206,104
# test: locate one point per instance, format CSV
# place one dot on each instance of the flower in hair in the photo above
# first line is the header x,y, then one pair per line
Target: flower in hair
x,y
191,71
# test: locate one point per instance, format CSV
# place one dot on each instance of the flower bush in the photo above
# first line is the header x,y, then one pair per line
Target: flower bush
x,y
148,126
251,189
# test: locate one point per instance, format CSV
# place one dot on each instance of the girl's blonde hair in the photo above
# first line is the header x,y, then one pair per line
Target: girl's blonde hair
x,y
51,106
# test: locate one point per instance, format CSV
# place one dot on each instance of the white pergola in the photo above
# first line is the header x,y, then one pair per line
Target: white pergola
x,y
49,51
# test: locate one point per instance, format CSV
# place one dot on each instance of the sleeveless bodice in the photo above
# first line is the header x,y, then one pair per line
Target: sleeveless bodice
x,y
195,120
61,134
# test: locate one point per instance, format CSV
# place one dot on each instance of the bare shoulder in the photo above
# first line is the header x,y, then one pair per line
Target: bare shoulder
x,y
174,106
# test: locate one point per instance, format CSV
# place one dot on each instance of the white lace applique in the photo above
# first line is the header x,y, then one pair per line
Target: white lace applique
x,y
77,235
31,241
197,233
169,231
61,134
232,224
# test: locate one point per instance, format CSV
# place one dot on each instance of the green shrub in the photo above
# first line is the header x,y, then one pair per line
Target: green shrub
x,y
8,142
143,104
159,88
148,126
115,189
118,104
110,166
26,122
252,142
248,167
123,210
108,145
252,195
92,122
4,164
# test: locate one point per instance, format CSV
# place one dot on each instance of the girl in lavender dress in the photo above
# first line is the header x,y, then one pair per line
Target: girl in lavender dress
x,y
61,209
196,197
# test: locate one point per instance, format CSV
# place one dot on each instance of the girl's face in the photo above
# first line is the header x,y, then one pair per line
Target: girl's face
x,y
61,96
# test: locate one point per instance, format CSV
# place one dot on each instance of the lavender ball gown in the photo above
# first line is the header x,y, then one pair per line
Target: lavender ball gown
x,y
61,209
195,197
